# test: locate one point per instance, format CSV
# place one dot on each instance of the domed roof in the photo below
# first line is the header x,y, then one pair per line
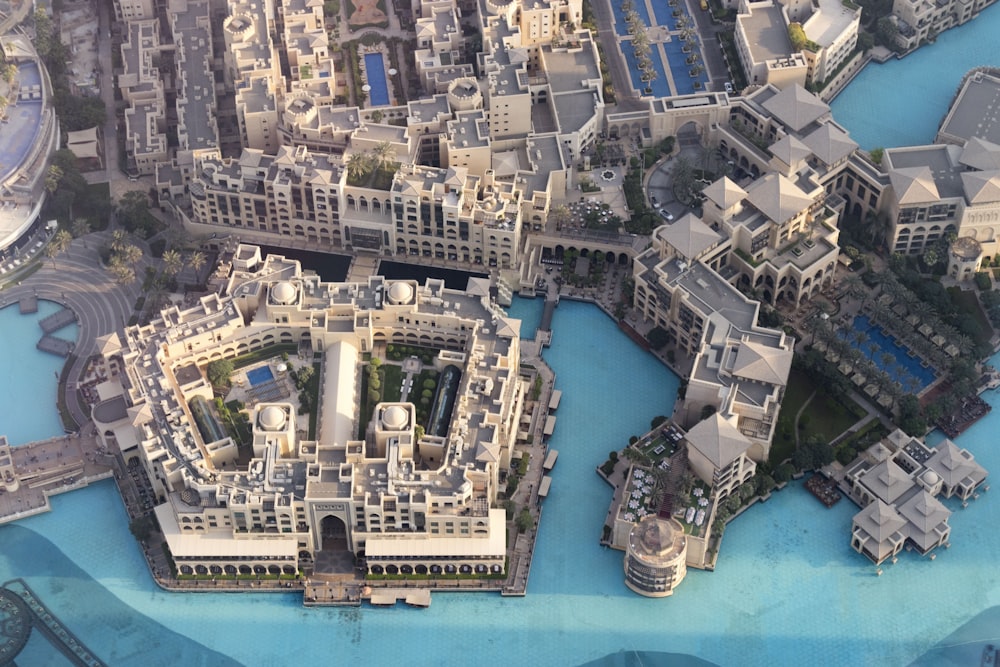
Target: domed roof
x,y
394,418
400,293
272,418
931,478
283,292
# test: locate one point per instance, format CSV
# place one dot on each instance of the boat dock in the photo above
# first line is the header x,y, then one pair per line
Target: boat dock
x,y
56,346
28,305
550,460
57,320
30,474
544,487
555,399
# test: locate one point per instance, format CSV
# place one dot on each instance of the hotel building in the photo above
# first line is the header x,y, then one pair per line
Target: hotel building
x,y
400,497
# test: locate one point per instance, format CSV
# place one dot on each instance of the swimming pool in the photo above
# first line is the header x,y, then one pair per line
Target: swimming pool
x,y
907,370
375,74
260,375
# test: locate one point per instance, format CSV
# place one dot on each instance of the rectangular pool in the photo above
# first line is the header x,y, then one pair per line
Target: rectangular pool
x,y
260,375
903,368
375,74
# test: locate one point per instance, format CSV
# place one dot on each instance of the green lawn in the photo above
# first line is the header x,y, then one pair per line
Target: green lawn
x,y
393,378
825,416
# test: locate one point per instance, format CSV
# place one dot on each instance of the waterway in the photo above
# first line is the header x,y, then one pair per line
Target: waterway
x,y
788,587
902,102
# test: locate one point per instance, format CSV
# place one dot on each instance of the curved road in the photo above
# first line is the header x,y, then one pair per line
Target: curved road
x,y
78,282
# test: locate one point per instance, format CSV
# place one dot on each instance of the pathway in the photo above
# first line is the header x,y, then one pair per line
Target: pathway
x,y
77,281
799,414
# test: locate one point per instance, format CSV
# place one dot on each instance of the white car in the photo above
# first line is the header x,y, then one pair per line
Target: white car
x,y
729,88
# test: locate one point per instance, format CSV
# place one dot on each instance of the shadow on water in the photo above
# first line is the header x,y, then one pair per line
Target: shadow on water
x,y
625,658
330,268
453,278
112,630
968,645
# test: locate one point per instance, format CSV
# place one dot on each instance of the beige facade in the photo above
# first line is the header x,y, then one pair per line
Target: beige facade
x,y
405,499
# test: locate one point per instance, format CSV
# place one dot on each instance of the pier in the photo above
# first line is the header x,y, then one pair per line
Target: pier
x,y
56,346
57,320
30,474
28,305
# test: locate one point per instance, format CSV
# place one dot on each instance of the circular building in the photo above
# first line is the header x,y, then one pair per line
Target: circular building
x,y
656,557
963,258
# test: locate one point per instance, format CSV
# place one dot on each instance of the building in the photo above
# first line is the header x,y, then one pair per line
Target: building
x,y
655,557
920,21
765,50
897,482
399,496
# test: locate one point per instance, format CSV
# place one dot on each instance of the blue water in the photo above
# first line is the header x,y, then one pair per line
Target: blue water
x,y
788,588
375,74
259,375
905,369
660,85
27,376
529,311
902,102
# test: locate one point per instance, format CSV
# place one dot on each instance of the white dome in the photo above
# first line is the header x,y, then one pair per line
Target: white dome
x,y
394,418
283,293
931,478
272,418
400,293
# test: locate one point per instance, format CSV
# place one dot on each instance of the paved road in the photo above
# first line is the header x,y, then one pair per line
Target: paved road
x,y
79,282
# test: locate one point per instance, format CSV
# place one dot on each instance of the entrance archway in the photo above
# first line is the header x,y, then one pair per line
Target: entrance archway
x,y
334,556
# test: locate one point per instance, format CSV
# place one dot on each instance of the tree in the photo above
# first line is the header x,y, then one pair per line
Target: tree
x,y
133,213
382,155
9,73
172,262
80,227
657,337
196,261
358,165
53,177
58,245
525,521
219,372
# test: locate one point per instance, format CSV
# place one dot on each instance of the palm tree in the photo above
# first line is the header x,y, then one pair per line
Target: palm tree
x,y
52,178
131,254
358,165
873,347
172,262
382,155
58,245
196,261
119,239
80,227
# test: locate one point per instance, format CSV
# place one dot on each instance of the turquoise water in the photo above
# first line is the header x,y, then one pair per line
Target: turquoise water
x,y
902,102
375,74
27,376
788,587
529,311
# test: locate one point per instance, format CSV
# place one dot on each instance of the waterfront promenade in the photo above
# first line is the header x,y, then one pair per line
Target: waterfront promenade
x,y
30,474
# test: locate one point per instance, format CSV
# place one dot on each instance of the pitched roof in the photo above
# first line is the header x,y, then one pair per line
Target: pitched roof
x,y
796,107
952,466
717,440
982,187
777,197
689,236
724,193
789,149
880,521
924,511
830,144
755,361
887,481
914,185
980,154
